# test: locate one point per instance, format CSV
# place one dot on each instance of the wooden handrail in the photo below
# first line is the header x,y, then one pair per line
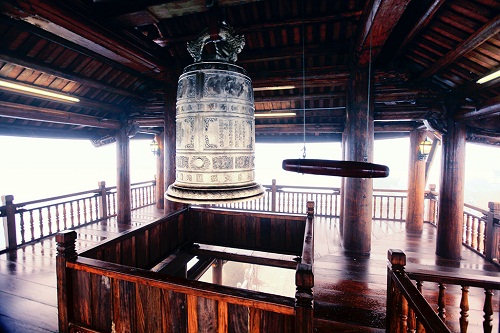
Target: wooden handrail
x,y
400,285
258,300
37,219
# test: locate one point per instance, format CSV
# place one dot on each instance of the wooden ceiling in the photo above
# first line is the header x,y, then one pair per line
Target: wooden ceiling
x,y
120,56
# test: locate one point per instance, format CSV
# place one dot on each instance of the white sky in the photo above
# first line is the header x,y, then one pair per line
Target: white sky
x,y
36,168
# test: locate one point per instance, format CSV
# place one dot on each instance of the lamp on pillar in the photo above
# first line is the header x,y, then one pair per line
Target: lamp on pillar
x,y
155,148
424,149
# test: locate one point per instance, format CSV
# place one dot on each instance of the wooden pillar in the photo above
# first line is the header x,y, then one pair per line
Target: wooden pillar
x,y
451,197
160,172
103,200
342,189
416,184
9,221
357,212
123,196
217,271
65,252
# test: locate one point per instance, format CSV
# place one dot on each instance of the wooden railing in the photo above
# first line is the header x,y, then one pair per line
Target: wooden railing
x,y
411,293
110,287
33,220
481,226
387,204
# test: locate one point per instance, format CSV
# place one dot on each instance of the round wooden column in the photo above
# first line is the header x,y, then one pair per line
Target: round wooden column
x,y
416,184
160,172
357,212
123,195
451,198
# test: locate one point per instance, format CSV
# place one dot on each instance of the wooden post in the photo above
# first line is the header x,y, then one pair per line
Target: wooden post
x,y
123,195
451,197
273,196
431,195
397,262
416,184
9,221
358,198
65,252
160,172
492,242
103,200
304,280
217,271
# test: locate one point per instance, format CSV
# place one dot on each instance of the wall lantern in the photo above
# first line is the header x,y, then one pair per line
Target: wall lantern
x,y
215,126
155,148
424,149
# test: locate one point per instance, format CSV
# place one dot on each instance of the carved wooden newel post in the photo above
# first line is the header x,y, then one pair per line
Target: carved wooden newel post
x,y
304,280
103,200
492,248
396,308
9,221
65,252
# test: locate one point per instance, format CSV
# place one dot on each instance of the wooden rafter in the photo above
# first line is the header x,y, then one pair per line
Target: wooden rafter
x,y
479,37
18,111
378,20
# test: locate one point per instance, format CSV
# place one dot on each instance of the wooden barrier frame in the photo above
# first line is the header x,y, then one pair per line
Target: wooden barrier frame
x,y
110,287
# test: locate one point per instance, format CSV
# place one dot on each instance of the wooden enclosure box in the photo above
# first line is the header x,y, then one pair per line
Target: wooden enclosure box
x,y
112,287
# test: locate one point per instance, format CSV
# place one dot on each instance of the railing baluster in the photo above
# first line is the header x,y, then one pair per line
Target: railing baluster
x,y
464,310
474,233
32,225
72,214
21,222
488,311
40,221
49,220
78,212
404,316
419,326
442,301
58,220
65,216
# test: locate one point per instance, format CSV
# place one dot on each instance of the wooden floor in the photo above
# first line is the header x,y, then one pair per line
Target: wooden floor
x,y
349,291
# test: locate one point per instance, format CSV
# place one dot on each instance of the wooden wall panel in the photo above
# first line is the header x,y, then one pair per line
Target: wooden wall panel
x,y
81,298
265,232
101,302
149,309
174,312
142,250
124,306
207,315
237,318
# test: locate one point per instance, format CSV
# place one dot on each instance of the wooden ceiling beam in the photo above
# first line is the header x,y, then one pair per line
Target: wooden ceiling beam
x,y
59,18
489,30
377,22
20,111
36,65
489,108
421,24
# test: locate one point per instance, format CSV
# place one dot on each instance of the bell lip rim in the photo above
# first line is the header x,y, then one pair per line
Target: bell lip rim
x,y
214,196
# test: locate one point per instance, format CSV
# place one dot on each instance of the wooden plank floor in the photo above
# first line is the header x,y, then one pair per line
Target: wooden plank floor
x,y
349,290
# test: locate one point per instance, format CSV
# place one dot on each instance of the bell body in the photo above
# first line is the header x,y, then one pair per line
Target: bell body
x,y
215,135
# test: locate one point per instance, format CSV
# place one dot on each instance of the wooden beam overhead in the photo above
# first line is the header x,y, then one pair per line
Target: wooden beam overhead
x,y
489,30
19,111
378,20
71,24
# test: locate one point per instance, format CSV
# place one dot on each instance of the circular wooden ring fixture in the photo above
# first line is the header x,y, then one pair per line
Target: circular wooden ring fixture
x,y
336,168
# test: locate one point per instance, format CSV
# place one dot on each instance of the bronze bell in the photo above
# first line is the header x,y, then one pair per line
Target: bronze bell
x,y
215,127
